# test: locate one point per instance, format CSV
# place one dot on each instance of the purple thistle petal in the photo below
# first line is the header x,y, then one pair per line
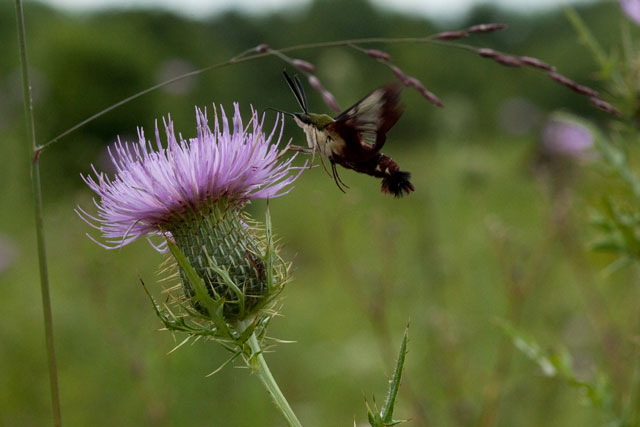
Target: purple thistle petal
x,y
153,188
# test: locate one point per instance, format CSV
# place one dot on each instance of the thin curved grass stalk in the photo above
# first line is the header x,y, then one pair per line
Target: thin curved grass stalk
x,y
39,219
447,38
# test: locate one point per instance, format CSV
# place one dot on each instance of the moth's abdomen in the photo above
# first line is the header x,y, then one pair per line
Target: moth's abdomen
x,y
394,181
397,183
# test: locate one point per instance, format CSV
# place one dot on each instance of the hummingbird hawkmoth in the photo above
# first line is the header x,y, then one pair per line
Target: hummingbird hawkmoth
x,y
354,138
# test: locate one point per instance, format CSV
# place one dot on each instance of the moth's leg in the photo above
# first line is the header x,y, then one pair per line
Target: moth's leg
x,y
336,178
336,175
316,149
313,145
300,149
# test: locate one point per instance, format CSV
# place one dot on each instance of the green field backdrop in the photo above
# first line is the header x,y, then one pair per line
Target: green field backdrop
x,y
488,236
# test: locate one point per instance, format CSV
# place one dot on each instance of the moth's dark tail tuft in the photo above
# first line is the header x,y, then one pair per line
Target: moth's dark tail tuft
x,y
397,183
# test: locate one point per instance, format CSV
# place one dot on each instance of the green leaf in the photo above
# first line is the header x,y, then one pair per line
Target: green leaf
x,y
597,393
173,323
386,412
384,418
626,226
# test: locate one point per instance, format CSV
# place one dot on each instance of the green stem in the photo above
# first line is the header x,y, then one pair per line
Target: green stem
x,y
37,203
259,366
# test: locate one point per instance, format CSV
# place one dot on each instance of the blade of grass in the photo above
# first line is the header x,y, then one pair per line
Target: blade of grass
x,y
37,204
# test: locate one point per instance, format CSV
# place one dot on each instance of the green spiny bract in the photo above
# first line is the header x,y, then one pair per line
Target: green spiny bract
x,y
233,256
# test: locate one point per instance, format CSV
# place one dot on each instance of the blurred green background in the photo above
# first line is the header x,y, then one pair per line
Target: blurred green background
x,y
487,235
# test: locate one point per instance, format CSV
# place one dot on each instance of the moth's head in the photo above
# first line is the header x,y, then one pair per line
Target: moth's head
x,y
302,119
317,121
305,119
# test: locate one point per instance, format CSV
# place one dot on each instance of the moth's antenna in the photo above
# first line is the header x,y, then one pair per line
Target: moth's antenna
x,y
301,91
296,92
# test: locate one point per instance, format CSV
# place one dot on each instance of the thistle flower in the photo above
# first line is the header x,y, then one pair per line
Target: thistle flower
x,y
192,193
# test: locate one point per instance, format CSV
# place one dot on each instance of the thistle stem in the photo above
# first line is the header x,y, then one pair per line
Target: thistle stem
x,y
37,203
259,366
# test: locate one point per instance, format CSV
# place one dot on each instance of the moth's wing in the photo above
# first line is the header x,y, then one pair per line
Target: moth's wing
x,y
371,118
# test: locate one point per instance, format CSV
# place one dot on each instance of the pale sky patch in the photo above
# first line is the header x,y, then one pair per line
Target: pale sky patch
x,y
443,9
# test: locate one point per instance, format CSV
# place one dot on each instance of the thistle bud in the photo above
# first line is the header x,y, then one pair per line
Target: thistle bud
x,y
228,255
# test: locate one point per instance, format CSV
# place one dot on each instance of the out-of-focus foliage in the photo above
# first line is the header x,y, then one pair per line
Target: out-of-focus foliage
x,y
489,233
83,63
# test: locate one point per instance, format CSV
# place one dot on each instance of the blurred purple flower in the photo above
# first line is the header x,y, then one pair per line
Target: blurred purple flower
x,y
561,137
631,8
154,190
